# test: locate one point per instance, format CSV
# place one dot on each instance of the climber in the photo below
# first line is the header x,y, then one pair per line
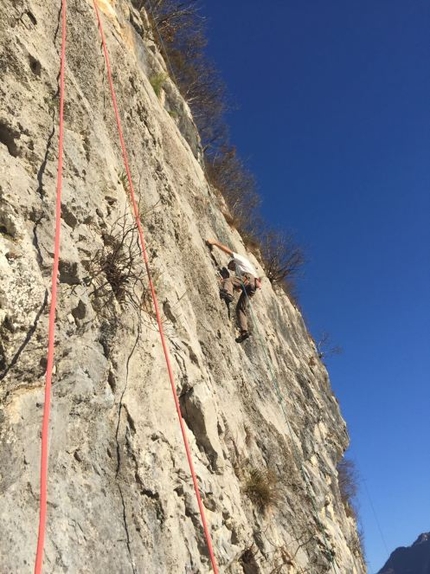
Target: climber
x,y
246,281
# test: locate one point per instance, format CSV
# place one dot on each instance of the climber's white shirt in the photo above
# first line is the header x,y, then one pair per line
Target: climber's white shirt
x,y
243,265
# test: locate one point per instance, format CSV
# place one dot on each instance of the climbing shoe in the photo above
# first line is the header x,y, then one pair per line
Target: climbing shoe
x,y
242,337
224,294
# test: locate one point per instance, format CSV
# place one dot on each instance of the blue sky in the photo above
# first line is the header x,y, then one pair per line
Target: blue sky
x,y
333,119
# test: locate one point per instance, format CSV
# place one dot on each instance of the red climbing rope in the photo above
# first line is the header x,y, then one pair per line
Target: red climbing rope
x,y
154,296
51,328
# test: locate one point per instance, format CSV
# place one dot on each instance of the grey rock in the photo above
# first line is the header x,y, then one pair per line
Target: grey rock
x,y
120,495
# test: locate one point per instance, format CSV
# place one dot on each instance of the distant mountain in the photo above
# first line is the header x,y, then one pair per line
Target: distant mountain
x,y
413,559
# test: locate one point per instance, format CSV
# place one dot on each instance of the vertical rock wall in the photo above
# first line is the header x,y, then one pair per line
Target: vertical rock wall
x,y
264,427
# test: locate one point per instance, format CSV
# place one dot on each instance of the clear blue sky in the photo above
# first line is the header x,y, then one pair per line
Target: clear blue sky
x,y
333,117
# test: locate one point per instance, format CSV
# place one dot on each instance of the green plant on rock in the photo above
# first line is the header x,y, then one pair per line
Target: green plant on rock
x,y
51,103
123,180
157,82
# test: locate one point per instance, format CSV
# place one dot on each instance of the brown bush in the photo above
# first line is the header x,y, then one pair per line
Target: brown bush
x,y
226,172
179,30
261,488
115,272
282,257
348,485
325,347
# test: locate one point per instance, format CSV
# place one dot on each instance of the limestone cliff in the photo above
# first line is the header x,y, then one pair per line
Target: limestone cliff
x,y
259,415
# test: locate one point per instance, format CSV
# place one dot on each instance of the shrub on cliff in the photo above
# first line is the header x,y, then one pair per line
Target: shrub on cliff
x,y
348,485
282,256
261,488
179,30
226,172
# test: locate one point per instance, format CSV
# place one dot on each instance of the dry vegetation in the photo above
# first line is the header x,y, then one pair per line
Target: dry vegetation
x,y
261,488
115,273
348,485
180,32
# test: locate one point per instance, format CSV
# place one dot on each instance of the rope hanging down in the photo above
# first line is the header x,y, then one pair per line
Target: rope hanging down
x,y
51,328
153,294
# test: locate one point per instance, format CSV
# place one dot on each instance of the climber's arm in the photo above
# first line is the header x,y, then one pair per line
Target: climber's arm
x,y
213,242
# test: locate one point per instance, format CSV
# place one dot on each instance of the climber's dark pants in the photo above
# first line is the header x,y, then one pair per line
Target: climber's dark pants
x,y
246,284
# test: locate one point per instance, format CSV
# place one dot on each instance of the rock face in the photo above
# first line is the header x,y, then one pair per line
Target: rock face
x,y
264,427
413,559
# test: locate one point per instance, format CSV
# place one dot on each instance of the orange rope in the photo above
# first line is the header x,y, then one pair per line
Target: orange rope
x,y
154,296
51,328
